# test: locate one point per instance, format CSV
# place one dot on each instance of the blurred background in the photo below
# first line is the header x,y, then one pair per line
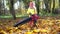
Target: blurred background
x,y
18,8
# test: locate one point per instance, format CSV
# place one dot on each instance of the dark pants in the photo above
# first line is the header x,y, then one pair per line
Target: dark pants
x,y
33,17
35,23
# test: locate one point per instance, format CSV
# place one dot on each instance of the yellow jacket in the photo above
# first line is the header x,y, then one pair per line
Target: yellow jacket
x,y
31,11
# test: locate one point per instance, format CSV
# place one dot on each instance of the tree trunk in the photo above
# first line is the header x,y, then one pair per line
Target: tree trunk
x,y
12,9
0,7
37,6
3,8
50,6
47,5
53,9
59,3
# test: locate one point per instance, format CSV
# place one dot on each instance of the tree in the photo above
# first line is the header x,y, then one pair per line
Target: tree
x,y
53,9
59,3
0,6
3,6
37,6
12,9
48,5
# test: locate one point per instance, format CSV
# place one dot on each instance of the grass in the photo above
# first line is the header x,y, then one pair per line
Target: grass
x,y
10,16
25,16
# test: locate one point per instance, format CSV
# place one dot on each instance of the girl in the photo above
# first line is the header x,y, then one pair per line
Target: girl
x,y
32,13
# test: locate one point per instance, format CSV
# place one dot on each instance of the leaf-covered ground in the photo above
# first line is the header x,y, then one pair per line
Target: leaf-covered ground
x,y
45,25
